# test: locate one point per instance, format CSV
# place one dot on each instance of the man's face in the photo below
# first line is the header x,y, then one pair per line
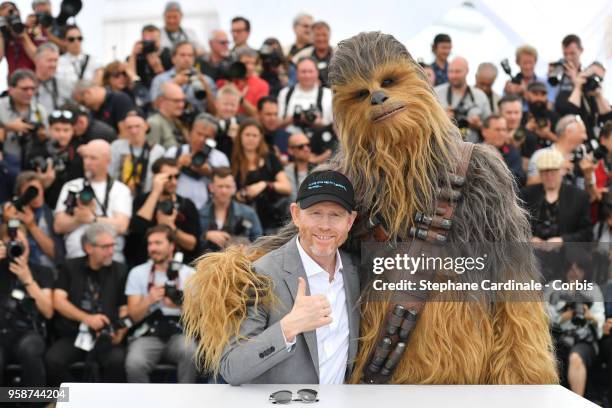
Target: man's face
x,y
321,38
299,147
303,32
73,41
512,112
95,162
46,63
551,179
62,132
199,133
101,252
159,248
136,128
250,62
572,54
39,200
152,35
457,74
526,63
240,35
322,227
219,44
307,74
536,97
575,134
485,81
497,133
184,57
443,50
23,92
223,189
268,116
171,183
173,102
227,106
172,20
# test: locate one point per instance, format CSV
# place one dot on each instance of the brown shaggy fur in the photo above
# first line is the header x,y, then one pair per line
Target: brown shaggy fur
x,y
396,166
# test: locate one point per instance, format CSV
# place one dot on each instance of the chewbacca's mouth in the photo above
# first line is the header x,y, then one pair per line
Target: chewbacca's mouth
x,y
387,113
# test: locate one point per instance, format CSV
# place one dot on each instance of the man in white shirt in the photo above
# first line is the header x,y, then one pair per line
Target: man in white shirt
x,y
96,198
75,65
310,335
307,94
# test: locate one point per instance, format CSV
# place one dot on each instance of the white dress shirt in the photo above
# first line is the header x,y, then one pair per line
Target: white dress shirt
x,y
333,339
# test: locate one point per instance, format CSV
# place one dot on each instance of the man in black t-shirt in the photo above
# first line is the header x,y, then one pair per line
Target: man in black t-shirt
x,y
108,106
163,206
25,301
90,301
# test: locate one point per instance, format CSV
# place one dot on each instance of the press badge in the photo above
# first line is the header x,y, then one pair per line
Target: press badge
x,y
84,340
18,294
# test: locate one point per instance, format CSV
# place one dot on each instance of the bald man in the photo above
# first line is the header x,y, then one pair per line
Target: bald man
x,y
468,106
164,126
97,198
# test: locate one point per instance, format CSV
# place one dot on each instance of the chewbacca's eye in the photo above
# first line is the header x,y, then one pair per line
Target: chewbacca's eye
x,y
387,82
362,94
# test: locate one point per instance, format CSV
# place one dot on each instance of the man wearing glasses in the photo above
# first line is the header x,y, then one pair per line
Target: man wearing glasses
x,y
89,299
310,335
300,167
241,30
214,62
75,64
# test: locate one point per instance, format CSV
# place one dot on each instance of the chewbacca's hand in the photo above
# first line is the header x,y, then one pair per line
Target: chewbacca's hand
x,y
308,313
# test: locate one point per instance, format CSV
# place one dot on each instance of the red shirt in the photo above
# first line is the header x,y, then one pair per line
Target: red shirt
x,y
258,88
16,56
601,180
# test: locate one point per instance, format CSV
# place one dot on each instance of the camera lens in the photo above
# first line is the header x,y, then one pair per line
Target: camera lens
x,y
15,249
86,196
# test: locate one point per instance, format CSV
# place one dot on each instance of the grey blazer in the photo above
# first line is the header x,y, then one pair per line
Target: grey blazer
x,y
263,356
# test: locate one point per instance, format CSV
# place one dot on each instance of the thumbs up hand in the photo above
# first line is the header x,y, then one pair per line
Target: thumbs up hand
x,y
308,313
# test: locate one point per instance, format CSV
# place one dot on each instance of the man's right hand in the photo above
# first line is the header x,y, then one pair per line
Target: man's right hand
x,y
19,126
156,293
308,313
219,238
96,321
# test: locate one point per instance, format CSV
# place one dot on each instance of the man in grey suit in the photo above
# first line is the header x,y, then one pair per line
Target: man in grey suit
x,y
310,335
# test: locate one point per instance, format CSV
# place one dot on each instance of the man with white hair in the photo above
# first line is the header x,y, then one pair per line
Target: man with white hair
x,y
213,63
302,27
97,198
52,90
485,78
173,32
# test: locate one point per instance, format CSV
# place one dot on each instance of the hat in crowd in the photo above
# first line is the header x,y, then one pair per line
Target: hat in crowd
x,y
327,185
549,159
173,6
537,86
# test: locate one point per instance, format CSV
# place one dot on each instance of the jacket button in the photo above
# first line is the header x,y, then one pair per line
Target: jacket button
x,y
261,355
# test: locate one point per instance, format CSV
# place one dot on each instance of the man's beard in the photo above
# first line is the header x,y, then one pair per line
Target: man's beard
x,y
322,253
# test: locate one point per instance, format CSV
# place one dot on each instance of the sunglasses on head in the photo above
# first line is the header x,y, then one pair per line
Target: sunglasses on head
x,y
300,146
62,114
307,396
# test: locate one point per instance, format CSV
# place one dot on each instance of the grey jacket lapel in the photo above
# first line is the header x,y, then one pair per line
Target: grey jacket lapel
x,y
351,289
293,267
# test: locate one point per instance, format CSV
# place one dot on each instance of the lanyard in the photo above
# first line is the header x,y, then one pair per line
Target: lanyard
x,y
449,97
152,278
139,165
107,189
52,91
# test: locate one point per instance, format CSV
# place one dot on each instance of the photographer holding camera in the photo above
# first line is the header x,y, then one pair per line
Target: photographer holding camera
x,y
154,292
16,44
25,303
166,127
148,58
29,207
320,51
224,220
468,106
216,61
22,119
96,198
75,65
274,65
199,89
526,59
307,106
586,99
173,33
577,320
197,159
164,206
91,307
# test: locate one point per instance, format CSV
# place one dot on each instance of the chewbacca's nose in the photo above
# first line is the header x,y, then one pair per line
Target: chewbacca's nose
x,y
378,98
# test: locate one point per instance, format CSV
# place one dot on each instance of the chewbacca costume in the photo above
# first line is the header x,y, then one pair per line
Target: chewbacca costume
x,y
401,152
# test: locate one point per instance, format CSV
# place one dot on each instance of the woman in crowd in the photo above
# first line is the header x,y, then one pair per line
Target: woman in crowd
x,y
116,77
259,175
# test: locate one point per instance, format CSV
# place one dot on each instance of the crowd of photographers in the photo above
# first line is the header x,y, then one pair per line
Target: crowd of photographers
x,y
117,176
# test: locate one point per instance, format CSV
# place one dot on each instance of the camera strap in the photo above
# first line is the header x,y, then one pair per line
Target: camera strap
x,y
449,97
139,166
52,91
290,92
104,206
83,67
151,282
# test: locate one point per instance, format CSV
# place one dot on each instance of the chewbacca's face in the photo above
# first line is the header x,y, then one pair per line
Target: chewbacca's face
x,y
389,98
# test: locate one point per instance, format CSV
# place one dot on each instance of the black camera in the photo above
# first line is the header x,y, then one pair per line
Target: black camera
x,y
232,70
270,58
171,289
26,198
13,22
85,196
592,83
201,156
148,47
188,115
460,116
540,113
166,206
576,302
545,229
44,19
54,152
241,227
556,72
306,117
517,79
14,248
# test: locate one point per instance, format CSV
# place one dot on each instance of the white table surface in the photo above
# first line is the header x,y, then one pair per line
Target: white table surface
x,y
330,396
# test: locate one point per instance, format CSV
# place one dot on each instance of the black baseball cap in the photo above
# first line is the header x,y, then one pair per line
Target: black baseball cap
x,y
326,185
